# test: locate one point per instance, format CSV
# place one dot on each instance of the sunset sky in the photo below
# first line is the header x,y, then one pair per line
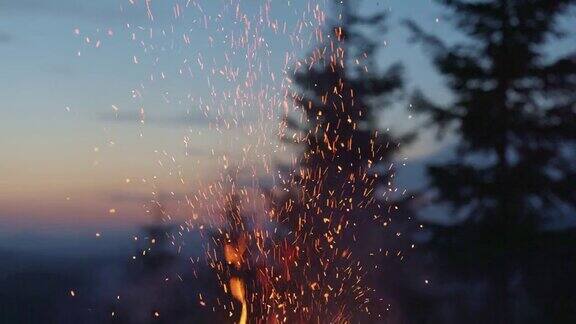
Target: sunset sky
x,y
69,157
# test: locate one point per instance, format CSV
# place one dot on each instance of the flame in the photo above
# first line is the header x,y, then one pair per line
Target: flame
x,y
233,255
238,292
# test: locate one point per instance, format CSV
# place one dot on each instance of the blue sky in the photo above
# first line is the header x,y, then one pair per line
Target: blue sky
x,y
67,151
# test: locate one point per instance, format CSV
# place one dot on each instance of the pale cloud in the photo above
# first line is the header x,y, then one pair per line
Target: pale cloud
x,y
191,119
5,37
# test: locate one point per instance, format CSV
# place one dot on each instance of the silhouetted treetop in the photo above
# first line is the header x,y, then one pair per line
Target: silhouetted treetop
x,y
338,191
513,110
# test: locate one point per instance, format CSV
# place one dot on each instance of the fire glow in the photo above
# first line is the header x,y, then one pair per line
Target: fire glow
x,y
292,252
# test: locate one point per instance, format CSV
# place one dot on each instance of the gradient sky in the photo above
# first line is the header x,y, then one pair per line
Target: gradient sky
x,y
66,152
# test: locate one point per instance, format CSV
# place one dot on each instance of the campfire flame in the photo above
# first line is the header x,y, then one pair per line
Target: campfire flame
x,y
238,292
233,255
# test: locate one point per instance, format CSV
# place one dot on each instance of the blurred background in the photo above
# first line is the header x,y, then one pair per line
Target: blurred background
x,y
139,136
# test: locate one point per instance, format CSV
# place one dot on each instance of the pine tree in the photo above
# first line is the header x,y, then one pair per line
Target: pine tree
x,y
513,112
335,211
514,116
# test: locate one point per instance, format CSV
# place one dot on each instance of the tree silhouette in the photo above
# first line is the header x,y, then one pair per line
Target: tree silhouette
x,y
513,107
513,113
340,195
